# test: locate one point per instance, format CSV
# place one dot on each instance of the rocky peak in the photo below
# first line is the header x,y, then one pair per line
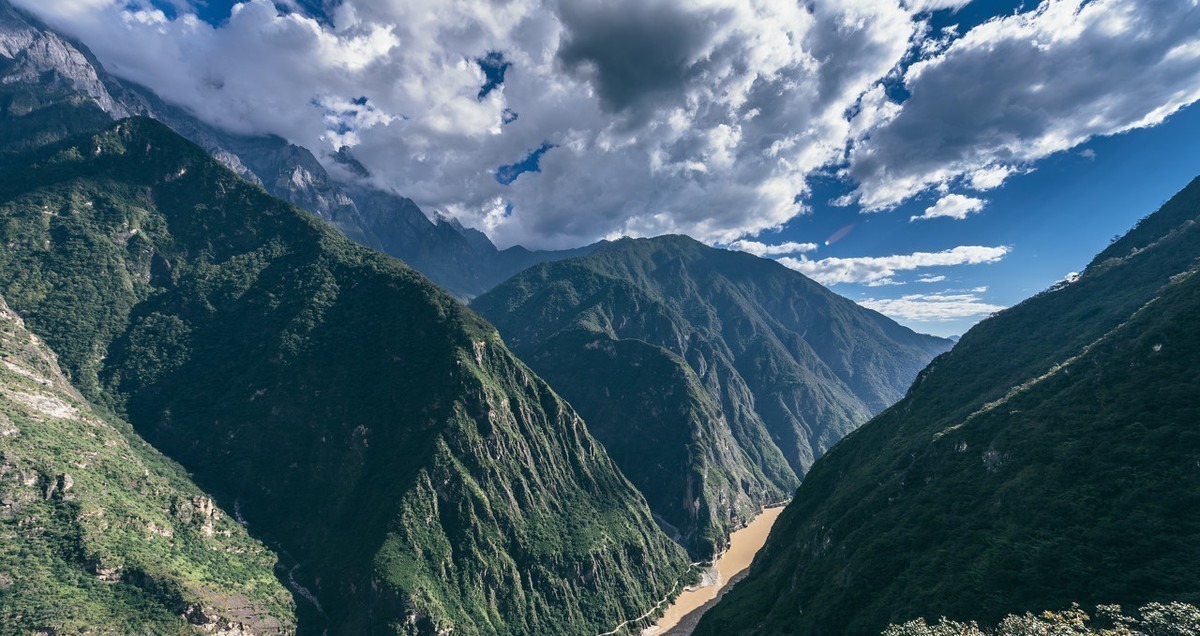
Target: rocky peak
x,y
33,52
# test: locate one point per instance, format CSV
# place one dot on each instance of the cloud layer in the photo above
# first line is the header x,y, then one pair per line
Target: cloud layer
x,y
932,307
708,117
762,249
874,269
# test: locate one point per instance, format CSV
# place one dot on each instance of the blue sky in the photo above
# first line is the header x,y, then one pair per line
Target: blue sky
x,y
1029,133
1055,218
216,12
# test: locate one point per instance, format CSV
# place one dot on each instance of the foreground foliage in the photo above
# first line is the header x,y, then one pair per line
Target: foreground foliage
x,y
1153,619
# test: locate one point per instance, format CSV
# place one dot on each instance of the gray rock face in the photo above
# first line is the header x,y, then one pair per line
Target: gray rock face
x,y
34,54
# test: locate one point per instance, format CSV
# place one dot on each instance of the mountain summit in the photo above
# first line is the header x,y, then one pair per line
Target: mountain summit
x,y
54,87
713,377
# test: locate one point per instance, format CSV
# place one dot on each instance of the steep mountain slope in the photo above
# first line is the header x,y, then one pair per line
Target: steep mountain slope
x,y
1052,457
99,533
53,87
714,378
417,475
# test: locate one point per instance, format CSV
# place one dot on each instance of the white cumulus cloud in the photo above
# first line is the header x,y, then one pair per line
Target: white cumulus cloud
x,y
954,206
652,116
660,116
1019,88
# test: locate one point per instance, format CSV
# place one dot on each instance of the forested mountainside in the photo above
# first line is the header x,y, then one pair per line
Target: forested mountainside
x,y
414,475
101,534
1053,457
53,87
713,377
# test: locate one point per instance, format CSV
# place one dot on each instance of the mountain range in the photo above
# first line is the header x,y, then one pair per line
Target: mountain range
x,y
240,394
372,430
713,377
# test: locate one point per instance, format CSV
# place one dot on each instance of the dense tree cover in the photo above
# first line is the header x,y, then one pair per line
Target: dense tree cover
x,y
411,472
1052,457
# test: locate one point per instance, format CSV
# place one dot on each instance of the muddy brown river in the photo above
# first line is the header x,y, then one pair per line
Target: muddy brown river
x,y
685,612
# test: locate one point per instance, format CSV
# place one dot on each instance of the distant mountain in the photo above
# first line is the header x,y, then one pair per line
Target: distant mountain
x,y
1052,457
413,474
54,86
101,534
713,377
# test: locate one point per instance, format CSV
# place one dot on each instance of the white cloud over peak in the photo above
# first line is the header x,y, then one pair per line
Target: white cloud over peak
x,y
663,115
868,269
708,118
932,307
954,206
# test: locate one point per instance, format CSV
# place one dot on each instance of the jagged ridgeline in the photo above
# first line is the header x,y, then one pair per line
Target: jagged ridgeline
x,y
1053,457
414,475
99,533
713,377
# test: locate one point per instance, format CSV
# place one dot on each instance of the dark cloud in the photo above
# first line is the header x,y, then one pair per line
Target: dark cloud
x,y
634,53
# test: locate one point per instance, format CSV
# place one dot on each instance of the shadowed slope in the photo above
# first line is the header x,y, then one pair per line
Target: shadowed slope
x,y
1052,457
